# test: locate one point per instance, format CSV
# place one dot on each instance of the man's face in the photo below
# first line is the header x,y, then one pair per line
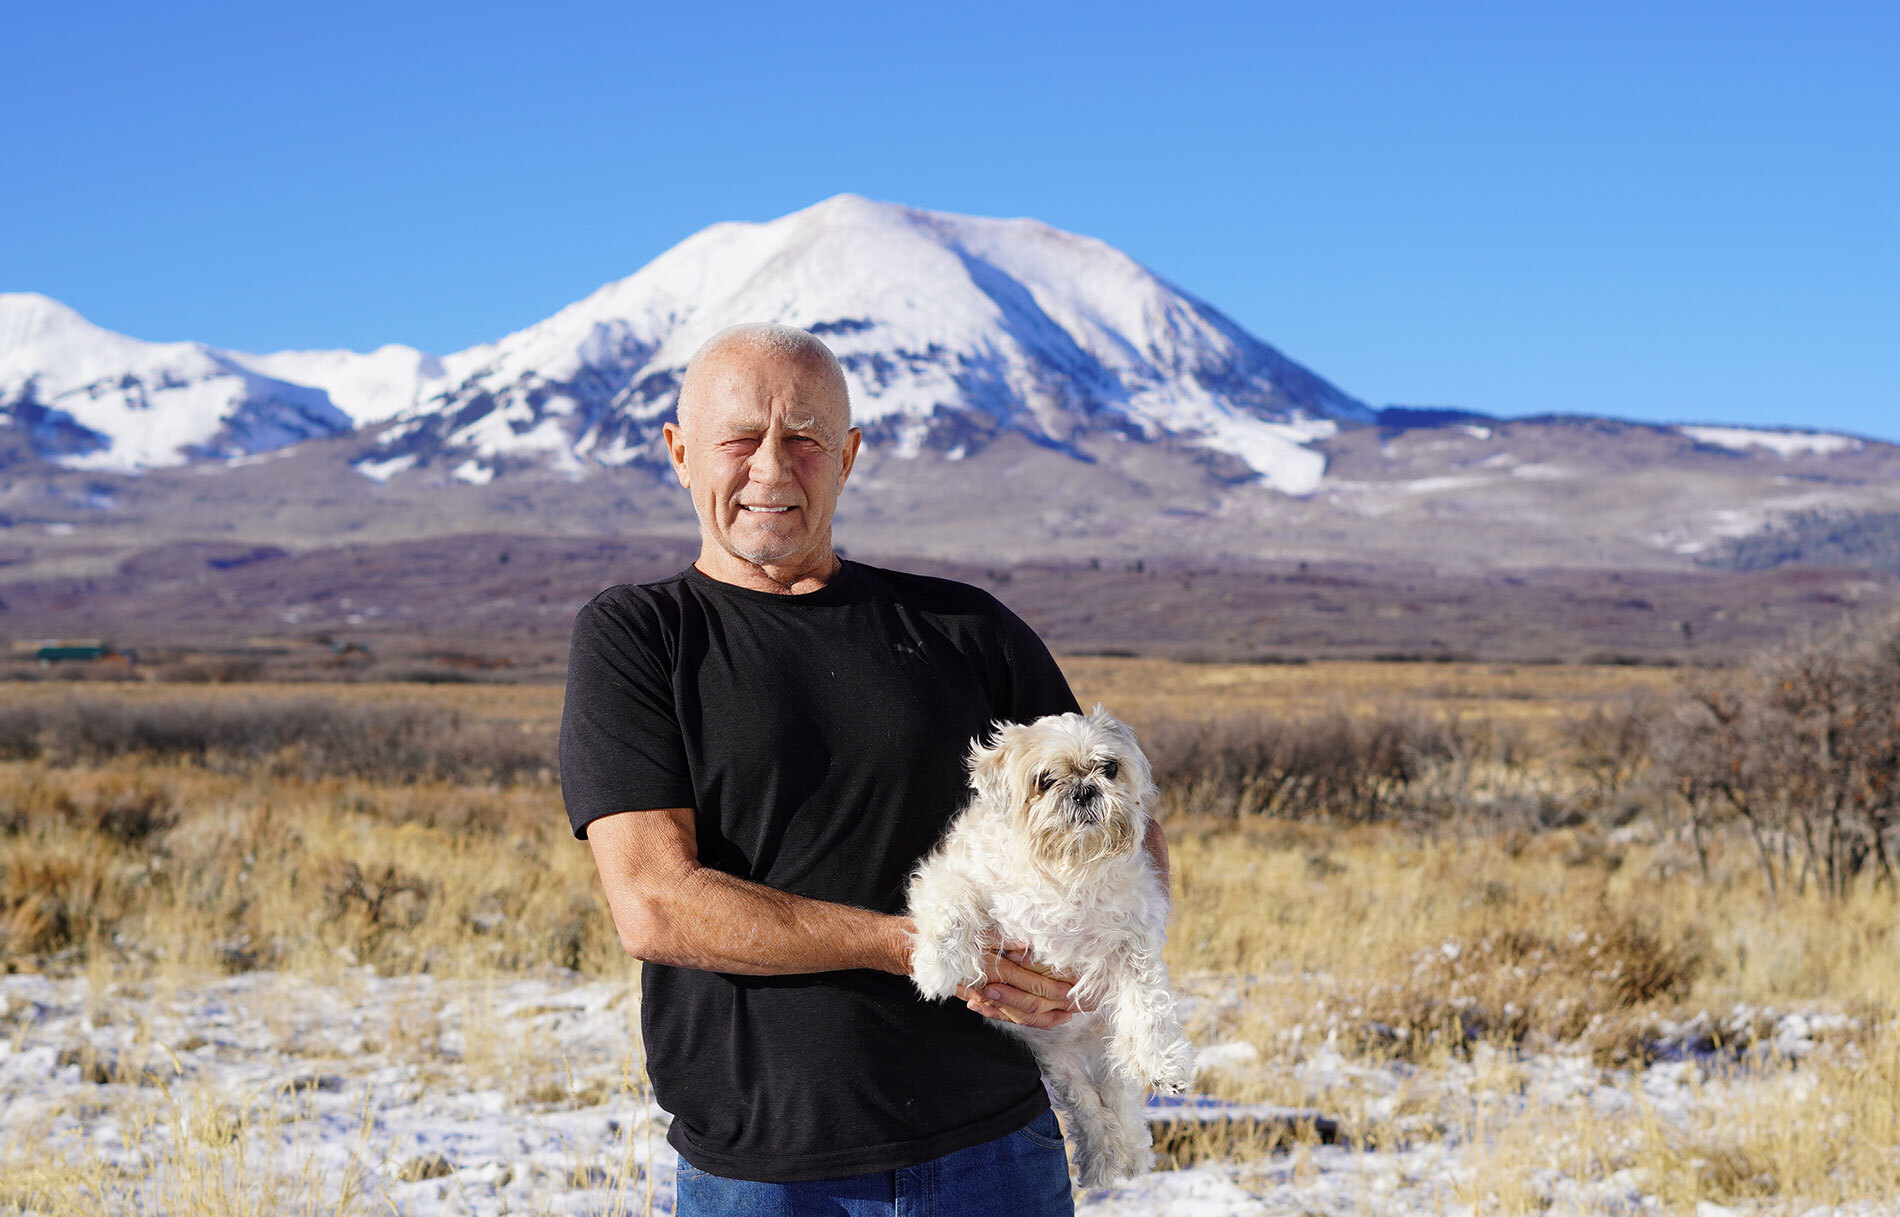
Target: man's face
x,y
765,451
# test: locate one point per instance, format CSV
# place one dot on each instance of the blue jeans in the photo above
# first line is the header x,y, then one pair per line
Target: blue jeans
x,y
1020,1174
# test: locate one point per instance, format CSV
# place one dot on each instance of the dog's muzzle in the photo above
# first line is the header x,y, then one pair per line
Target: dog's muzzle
x,y
1085,804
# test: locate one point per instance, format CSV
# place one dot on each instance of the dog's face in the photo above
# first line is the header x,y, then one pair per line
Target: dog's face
x,y
1075,786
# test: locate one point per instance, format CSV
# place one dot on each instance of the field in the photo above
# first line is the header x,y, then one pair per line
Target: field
x,y
332,949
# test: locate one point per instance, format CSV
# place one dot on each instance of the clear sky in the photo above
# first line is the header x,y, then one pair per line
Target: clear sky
x,y
1662,210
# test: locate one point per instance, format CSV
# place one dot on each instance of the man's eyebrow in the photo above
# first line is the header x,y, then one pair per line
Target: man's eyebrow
x,y
758,426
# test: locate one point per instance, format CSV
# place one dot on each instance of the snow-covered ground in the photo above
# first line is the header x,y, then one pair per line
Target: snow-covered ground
x,y
419,1095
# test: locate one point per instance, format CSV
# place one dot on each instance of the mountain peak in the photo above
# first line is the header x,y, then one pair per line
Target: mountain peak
x,y
92,398
953,331
28,318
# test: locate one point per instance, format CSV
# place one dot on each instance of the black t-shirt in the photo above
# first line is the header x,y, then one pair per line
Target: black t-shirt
x,y
820,740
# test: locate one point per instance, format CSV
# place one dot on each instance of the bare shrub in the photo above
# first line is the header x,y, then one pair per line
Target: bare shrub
x,y
1356,768
128,810
304,737
387,897
20,729
1611,746
1802,750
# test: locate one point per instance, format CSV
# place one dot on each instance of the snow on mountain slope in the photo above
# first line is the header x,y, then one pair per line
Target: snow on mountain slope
x,y
89,398
952,330
369,388
1780,440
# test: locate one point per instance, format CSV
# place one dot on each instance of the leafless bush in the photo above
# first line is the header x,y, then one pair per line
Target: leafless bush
x,y
1802,750
1611,746
307,737
1358,768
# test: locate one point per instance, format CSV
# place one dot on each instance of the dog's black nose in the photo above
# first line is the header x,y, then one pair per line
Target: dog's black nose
x,y
1086,793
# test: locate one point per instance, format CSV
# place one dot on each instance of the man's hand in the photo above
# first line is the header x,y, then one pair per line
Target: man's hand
x,y
1015,991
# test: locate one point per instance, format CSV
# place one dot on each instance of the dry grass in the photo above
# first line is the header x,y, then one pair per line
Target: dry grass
x,y
1540,697
1401,982
1409,978
226,872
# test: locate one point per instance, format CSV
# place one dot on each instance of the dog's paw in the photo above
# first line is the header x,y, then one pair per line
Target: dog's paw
x,y
1165,1066
937,970
930,974
1124,1155
1177,1070
1096,1171
1137,1157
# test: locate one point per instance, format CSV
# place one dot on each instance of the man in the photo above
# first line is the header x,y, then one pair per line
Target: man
x,y
758,751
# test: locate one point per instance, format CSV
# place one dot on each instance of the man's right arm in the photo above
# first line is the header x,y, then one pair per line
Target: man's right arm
x,y
669,909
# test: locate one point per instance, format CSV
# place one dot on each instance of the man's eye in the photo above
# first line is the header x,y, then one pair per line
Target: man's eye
x,y
1110,769
1044,782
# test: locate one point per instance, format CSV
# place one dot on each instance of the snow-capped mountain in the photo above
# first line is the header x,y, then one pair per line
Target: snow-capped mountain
x,y
953,330
957,334
93,399
370,388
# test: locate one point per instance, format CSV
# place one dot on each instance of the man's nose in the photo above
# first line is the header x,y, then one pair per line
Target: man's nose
x,y
768,460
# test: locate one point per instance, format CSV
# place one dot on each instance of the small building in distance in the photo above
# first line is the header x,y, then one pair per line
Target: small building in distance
x,y
50,651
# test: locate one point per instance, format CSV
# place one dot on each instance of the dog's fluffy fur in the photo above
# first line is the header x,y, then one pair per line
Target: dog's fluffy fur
x,y
1049,853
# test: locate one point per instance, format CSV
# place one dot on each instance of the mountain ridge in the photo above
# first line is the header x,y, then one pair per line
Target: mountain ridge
x,y
1025,392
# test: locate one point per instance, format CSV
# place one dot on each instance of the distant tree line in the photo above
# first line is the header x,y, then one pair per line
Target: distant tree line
x,y
1869,539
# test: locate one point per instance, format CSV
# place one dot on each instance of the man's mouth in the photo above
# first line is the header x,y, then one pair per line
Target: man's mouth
x,y
764,510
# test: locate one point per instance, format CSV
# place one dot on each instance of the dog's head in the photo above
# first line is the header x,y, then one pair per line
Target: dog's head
x,y
1076,786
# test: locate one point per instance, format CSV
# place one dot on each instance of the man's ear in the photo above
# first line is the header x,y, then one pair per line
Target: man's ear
x,y
989,770
676,451
852,439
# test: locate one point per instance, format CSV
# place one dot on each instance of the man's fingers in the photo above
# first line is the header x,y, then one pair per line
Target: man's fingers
x,y
1008,1014
1014,1006
1029,981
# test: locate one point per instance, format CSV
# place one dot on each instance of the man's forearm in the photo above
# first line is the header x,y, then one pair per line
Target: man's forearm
x,y
720,923
669,909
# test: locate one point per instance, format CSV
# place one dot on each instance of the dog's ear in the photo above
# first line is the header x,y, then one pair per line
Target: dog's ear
x,y
989,771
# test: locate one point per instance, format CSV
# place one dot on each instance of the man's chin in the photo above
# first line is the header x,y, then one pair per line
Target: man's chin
x,y
766,553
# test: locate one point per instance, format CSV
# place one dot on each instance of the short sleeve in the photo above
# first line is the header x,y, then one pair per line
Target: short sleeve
x,y
1035,685
621,747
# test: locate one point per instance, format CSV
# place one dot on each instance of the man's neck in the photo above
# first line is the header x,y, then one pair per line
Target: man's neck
x,y
807,573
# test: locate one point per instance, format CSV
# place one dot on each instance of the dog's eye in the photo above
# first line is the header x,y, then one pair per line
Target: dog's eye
x,y
1110,768
1044,781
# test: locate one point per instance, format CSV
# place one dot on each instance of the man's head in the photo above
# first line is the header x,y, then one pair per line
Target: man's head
x,y
764,442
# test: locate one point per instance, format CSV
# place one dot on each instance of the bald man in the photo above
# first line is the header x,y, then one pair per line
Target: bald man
x,y
758,751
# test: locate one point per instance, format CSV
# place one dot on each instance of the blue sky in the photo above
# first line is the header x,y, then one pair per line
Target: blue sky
x,y
1676,211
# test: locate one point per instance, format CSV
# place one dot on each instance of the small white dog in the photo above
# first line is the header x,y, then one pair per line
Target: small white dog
x,y
1049,854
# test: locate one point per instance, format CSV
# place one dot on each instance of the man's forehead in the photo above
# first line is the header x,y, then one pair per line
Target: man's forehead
x,y
746,390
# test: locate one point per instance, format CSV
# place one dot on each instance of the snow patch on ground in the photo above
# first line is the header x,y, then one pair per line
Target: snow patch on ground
x,y
438,1096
